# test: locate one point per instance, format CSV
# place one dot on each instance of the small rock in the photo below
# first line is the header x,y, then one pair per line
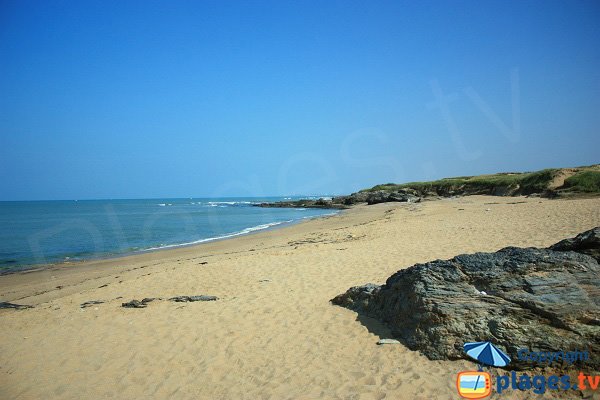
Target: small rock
x,y
387,341
135,304
181,299
12,305
148,299
203,298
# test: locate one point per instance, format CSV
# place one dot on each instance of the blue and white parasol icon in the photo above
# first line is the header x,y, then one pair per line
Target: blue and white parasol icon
x,y
486,353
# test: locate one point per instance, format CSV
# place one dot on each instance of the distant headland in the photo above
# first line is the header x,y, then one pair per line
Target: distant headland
x,y
549,183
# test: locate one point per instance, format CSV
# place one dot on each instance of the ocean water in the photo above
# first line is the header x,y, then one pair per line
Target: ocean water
x,y
41,232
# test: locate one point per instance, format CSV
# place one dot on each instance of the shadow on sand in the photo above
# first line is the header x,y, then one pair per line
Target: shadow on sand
x,y
375,327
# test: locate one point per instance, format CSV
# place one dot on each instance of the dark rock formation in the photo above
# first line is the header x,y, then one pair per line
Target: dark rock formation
x,y
137,303
320,203
4,304
146,300
354,198
342,202
381,196
538,299
193,298
587,242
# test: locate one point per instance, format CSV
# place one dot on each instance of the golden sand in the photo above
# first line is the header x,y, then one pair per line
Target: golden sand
x,y
273,333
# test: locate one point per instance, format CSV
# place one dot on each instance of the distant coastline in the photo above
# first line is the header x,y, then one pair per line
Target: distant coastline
x,y
549,183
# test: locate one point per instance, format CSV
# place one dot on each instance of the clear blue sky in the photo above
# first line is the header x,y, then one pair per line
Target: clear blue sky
x,y
129,99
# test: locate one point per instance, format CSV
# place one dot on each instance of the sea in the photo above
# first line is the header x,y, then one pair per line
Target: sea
x,y
45,232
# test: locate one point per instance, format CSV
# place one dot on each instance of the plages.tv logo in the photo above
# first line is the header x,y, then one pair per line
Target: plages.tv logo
x,y
474,384
478,384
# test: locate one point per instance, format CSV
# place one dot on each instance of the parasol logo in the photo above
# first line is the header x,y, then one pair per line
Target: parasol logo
x,y
478,384
486,354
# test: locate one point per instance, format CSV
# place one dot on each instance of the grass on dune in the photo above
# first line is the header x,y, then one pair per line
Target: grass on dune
x,y
584,181
530,182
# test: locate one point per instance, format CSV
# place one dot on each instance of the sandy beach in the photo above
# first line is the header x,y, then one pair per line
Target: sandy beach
x,y
272,334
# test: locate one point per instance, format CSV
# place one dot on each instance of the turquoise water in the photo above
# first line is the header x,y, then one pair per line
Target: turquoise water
x,y
40,232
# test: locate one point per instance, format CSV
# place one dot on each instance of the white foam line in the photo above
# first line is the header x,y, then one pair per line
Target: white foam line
x,y
230,203
242,232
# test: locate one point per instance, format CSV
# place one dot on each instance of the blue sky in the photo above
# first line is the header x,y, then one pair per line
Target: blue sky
x,y
130,99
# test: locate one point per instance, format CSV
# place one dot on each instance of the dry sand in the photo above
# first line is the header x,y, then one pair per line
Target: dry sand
x,y
273,333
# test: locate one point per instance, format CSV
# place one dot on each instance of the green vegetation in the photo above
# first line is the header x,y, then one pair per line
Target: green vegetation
x,y
530,182
584,181
581,179
536,182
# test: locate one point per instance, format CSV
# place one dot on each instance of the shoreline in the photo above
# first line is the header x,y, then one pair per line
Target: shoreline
x,y
29,268
39,272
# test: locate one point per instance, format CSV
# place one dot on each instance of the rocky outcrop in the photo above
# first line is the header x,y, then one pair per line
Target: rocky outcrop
x,y
350,200
306,203
587,242
379,196
342,202
538,299
403,196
